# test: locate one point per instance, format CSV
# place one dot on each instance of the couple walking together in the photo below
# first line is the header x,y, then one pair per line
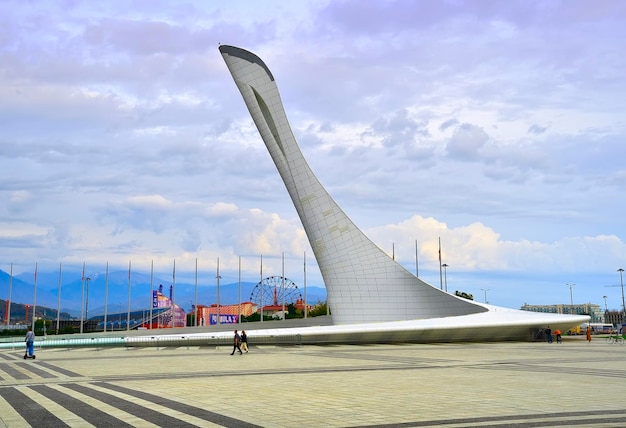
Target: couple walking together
x,y
240,342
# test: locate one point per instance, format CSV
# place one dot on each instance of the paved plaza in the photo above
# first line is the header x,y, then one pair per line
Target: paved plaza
x,y
405,385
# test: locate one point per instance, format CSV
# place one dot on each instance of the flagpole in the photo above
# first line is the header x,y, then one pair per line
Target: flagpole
x,y
440,272
172,293
59,297
151,292
106,297
239,295
82,298
306,306
128,312
416,265
217,276
283,287
10,291
195,302
35,298
261,287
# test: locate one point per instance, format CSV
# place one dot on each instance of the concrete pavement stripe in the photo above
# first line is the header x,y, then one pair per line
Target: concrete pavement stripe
x,y
9,417
34,413
10,370
32,367
64,372
554,369
530,420
59,411
154,407
84,410
207,415
144,413
118,414
259,372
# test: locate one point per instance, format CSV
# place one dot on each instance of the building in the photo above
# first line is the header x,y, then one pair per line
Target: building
x,y
229,314
594,311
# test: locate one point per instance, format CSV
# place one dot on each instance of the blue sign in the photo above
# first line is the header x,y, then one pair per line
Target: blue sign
x,y
224,319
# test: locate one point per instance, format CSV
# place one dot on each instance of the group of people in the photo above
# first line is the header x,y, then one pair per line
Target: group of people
x,y
239,342
557,333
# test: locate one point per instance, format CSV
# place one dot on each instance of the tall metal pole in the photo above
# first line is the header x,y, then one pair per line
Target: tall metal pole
x,y
218,291
306,306
485,291
621,281
239,294
10,292
151,293
82,299
445,275
440,272
195,300
35,298
87,281
106,297
417,272
282,286
173,291
571,296
128,312
59,298
261,288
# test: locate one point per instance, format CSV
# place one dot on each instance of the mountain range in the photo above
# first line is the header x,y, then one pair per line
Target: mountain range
x,y
115,291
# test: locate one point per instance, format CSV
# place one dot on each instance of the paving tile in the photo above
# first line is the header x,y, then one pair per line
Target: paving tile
x,y
461,384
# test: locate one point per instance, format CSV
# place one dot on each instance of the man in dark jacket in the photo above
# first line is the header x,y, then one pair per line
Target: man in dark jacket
x,y
236,343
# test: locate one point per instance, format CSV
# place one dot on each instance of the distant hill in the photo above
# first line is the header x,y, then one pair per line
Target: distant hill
x,y
18,313
116,291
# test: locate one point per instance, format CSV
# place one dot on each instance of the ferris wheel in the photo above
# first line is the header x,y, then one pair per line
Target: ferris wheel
x,y
272,289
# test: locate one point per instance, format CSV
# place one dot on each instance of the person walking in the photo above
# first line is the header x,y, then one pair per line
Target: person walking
x,y
244,341
30,343
236,343
588,333
557,333
549,334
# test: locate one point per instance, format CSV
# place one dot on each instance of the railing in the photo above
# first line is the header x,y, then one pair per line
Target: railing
x,y
207,339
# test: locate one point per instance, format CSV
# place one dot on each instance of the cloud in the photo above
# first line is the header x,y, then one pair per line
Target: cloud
x,y
467,142
498,129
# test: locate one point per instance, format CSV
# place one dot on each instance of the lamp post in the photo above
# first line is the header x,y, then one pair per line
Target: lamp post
x,y
621,281
445,275
571,297
485,291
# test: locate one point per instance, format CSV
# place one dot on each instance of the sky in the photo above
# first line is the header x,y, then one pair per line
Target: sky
x,y
497,127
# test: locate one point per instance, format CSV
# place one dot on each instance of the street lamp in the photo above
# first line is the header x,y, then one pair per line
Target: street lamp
x,y
485,291
571,297
445,275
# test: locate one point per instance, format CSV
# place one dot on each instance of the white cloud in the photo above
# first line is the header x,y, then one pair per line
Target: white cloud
x,y
499,129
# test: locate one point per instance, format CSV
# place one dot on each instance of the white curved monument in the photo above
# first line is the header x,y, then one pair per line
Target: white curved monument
x,y
363,283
